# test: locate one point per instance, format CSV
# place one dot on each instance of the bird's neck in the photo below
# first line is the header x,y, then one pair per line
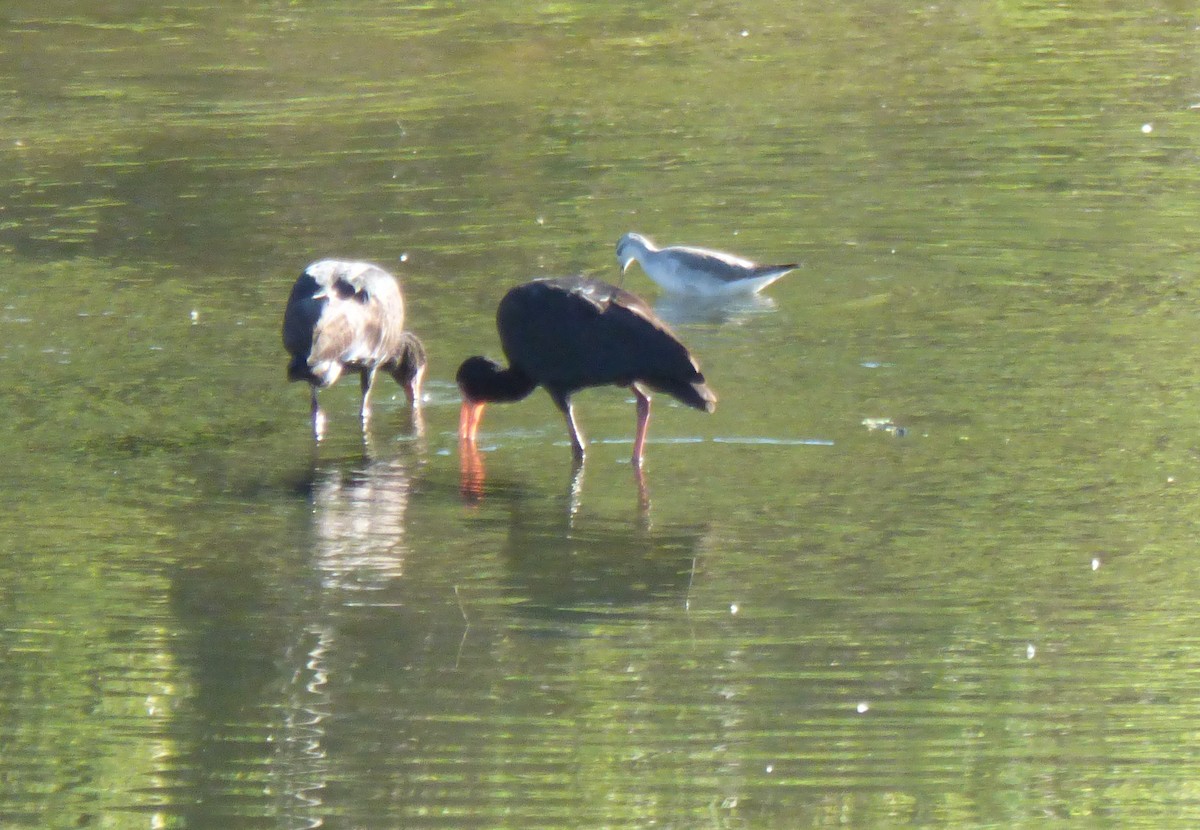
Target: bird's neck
x,y
508,385
644,247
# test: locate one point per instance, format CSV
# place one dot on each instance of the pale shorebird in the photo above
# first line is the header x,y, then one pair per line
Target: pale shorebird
x,y
699,271
349,317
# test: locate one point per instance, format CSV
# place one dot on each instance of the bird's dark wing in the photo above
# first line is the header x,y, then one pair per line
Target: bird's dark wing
x,y
571,333
300,316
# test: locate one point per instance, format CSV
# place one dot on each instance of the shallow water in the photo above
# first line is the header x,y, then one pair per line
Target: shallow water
x,y
930,561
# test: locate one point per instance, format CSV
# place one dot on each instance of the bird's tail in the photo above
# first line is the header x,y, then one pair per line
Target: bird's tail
x,y
695,394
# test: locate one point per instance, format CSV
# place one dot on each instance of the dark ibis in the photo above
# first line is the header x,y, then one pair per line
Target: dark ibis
x,y
681,269
568,334
349,317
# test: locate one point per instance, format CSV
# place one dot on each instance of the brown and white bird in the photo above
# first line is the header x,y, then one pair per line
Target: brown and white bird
x,y
680,269
569,334
349,317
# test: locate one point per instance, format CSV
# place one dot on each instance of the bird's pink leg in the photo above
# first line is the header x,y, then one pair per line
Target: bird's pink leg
x,y
643,422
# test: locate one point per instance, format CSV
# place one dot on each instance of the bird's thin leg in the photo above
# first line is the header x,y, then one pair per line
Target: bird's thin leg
x,y
318,417
643,422
563,402
366,381
412,388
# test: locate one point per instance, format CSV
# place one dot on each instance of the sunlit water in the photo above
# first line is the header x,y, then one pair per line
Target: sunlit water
x,y
930,562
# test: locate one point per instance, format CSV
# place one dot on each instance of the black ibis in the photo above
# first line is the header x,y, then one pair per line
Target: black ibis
x,y
569,334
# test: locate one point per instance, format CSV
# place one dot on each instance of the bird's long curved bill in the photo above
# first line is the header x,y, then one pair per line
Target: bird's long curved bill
x,y
468,420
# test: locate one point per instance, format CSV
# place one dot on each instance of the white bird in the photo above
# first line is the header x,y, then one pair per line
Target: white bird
x,y
349,317
697,271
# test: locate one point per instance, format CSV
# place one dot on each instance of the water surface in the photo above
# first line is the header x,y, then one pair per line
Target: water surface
x,y
981,616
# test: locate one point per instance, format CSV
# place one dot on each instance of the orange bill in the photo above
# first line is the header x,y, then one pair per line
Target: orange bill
x,y
468,420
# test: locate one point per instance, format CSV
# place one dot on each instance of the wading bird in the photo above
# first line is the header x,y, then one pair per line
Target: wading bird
x,y
569,334
699,271
349,317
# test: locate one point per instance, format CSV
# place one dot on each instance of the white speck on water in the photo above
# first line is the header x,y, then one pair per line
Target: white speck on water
x,y
1147,128
863,707
1030,651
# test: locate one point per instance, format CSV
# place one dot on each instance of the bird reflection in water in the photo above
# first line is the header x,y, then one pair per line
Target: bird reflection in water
x,y
358,524
683,309
565,562
471,471
359,514
473,474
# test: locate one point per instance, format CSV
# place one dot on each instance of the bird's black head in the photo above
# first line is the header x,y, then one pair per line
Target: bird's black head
x,y
483,380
